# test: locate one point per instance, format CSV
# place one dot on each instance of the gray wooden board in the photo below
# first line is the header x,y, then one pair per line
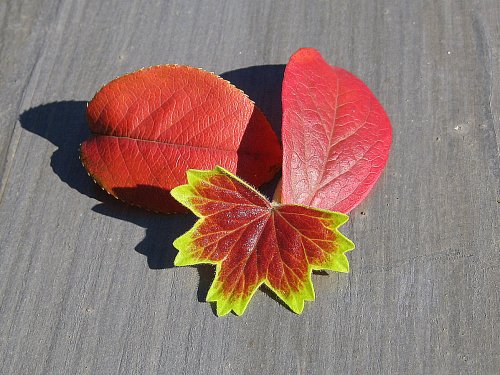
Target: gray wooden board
x,y
87,284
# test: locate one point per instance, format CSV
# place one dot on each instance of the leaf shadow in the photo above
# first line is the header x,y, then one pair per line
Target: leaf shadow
x,y
320,272
207,274
64,124
161,230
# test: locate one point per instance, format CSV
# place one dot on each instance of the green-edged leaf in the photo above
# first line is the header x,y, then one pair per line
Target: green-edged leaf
x,y
252,241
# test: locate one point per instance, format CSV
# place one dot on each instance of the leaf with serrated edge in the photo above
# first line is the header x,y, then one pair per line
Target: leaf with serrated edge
x,y
253,242
150,126
336,135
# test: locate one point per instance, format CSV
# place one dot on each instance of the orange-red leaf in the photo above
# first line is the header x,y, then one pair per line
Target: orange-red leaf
x,y
254,242
152,125
336,135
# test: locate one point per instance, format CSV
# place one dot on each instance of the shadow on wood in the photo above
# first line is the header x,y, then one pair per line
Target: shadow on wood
x,y
64,124
161,230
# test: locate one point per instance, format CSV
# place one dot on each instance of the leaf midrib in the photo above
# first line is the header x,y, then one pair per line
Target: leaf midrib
x,y
169,143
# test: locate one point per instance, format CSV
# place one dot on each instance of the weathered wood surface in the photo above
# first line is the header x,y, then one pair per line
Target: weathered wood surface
x,y
87,284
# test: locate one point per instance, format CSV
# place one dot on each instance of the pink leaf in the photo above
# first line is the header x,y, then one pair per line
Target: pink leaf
x,y
336,135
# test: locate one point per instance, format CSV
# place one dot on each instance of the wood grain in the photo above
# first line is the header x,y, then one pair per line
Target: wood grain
x,y
87,285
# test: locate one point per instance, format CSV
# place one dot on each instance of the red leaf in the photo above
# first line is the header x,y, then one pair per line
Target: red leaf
x,y
152,125
336,135
254,242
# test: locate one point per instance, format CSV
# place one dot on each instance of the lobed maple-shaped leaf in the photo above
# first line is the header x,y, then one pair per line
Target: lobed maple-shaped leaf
x,y
336,135
252,241
152,125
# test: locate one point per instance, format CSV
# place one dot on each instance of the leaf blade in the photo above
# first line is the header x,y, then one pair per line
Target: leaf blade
x,y
257,243
336,135
152,125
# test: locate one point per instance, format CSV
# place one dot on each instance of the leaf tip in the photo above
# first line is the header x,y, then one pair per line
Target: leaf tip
x,y
296,305
342,263
306,54
178,192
